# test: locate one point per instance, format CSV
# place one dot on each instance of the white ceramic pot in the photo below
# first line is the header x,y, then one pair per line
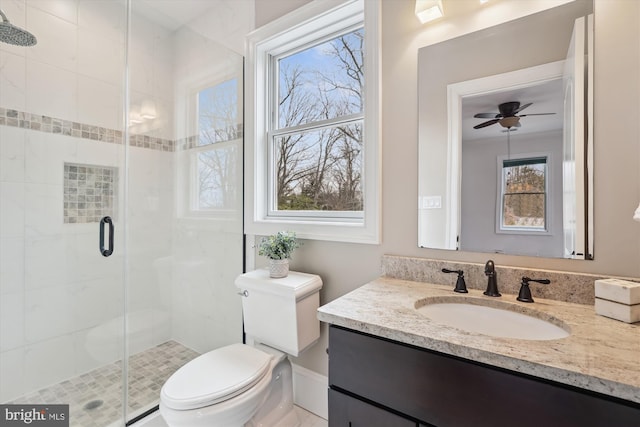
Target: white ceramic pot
x,y
278,268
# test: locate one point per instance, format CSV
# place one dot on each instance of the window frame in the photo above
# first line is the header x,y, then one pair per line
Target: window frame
x,y
548,196
301,28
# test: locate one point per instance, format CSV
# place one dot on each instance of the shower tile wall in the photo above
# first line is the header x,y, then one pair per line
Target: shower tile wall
x,y
60,301
206,310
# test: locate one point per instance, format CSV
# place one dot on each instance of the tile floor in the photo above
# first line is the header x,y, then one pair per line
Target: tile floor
x,y
307,419
95,398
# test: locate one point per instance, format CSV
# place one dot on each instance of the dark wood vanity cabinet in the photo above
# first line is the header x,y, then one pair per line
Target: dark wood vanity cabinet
x,y
352,412
377,382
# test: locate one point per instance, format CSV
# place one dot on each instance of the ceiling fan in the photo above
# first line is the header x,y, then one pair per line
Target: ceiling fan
x,y
507,117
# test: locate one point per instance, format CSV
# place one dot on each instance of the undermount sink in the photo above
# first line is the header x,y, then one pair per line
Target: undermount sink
x,y
492,318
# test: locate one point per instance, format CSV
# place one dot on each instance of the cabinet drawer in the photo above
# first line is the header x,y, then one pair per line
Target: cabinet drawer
x,y
349,412
445,391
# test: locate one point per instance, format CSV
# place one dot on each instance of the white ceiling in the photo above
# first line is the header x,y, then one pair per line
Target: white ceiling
x,y
172,14
545,98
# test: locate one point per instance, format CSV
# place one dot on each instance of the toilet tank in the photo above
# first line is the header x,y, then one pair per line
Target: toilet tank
x,y
281,313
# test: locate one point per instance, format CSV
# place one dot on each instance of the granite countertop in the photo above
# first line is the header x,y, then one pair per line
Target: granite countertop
x,y
600,354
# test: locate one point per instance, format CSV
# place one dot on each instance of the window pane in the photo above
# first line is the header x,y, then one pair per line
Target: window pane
x,y
217,178
322,82
218,113
524,196
524,210
320,170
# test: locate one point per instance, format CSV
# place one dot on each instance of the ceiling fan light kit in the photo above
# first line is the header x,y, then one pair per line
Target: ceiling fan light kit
x,y
509,122
507,117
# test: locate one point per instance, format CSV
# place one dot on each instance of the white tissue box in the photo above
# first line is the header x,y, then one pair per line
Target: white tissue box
x,y
618,290
615,310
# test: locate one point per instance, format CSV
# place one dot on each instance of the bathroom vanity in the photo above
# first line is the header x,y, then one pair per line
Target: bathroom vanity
x,y
389,365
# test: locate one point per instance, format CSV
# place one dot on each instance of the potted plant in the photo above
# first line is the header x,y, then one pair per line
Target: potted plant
x,y
278,248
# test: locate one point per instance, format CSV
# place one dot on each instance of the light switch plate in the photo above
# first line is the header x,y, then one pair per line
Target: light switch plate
x,y
431,202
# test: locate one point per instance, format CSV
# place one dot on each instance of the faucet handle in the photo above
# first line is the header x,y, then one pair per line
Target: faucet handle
x,y
525,293
461,286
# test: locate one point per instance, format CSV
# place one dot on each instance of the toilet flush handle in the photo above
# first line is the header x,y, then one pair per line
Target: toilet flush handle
x,y
244,293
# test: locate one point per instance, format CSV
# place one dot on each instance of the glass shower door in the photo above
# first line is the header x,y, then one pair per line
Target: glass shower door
x,y
102,334
62,170
184,203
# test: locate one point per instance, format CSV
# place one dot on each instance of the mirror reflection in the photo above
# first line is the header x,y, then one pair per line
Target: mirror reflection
x,y
505,137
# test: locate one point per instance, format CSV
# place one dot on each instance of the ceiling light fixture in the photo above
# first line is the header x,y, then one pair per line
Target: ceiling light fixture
x,y
148,109
428,10
134,116
484,1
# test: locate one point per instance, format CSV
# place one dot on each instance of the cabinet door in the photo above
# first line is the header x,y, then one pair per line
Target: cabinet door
x,y
449,392
346,411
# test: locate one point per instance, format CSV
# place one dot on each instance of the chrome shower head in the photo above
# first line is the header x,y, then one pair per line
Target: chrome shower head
x,y
11,34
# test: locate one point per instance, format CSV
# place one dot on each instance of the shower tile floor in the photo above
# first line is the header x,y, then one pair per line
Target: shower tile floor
x,y
95,398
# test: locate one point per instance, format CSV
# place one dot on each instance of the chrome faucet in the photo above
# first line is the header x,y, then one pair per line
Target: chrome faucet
x,y
492,284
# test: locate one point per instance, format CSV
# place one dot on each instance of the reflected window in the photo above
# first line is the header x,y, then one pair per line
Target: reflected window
x,y
216,171
218,113
524,194
215,158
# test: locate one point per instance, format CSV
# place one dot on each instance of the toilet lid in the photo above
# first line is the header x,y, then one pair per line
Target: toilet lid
x,y
215,376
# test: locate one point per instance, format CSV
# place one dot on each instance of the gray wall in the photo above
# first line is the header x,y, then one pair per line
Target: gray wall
x,y
480,194
344,267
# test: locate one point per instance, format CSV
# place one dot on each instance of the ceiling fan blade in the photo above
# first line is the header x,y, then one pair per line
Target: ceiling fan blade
x,y
487,116
485,124
536,114
523,107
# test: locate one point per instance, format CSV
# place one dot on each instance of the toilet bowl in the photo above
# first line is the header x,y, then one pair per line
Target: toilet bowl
x,y
249,385
243,377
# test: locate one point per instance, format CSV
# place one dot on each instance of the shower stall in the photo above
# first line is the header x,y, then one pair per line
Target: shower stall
x,y
124,119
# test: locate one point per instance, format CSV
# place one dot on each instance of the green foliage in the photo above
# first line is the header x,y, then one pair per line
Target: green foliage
x,y
279,246
297,202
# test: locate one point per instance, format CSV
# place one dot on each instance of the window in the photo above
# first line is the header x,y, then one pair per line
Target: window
x,y
312,131
214,159
316,142
523,205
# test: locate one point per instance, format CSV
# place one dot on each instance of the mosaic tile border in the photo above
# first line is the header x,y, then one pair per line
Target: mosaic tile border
x,y
190,142
21,119
146,141
24,120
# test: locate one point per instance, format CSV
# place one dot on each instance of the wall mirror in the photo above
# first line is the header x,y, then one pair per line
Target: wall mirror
x,y
506,140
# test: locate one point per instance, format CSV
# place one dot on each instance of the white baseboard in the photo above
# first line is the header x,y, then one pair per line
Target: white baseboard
x,y
310,391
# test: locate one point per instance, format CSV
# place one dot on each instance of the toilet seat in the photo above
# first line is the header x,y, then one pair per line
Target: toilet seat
x,y
215,376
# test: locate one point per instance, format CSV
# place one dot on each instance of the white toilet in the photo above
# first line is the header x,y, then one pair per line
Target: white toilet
x,y
250,385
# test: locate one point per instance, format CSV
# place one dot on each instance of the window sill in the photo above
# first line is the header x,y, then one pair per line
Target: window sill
x,y
336,231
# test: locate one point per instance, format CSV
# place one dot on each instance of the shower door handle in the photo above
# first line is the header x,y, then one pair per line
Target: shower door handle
x,y
103,251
